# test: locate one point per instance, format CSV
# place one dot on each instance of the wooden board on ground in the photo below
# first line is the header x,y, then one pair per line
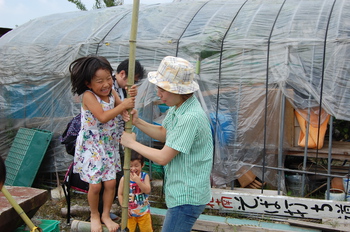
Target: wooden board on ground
x,y
218,223
29,199
323,227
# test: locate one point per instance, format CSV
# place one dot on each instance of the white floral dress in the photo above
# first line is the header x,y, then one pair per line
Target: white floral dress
x,y
96,156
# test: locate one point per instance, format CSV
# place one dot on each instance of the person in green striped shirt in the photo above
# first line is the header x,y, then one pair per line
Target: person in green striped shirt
x,y
187,155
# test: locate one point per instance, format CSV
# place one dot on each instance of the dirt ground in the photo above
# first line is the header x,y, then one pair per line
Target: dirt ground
x,y
52,210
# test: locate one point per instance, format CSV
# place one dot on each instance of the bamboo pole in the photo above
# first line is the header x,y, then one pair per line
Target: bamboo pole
x,y
128,125
19,210
82,226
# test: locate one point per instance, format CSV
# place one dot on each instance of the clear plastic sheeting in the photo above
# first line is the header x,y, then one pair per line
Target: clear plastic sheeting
x,y
249,56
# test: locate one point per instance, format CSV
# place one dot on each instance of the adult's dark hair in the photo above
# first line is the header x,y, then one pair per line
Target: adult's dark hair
x,y
137,156
186,96
2,171
83,69
139,69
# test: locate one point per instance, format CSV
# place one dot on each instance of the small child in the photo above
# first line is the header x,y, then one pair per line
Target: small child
x,y
140,187
2,173
96,157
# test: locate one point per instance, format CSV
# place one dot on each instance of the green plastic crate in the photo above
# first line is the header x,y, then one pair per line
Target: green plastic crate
x,y
25,156
45,225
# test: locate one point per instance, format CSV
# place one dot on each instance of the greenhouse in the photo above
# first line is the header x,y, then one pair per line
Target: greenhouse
x,y
265,69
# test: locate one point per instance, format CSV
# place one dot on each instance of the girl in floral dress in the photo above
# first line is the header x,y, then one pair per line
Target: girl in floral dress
x,y
96,156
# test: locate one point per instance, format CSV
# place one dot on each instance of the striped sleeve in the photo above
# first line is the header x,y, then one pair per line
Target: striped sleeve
x,y
183,134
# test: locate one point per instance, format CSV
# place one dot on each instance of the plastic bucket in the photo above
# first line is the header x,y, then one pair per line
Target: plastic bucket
x,y
335,194
346,181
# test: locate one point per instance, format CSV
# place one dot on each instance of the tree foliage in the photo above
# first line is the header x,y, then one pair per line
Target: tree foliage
x,y
98,4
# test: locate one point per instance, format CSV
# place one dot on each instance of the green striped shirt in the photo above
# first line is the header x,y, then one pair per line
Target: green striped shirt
x,y
187,175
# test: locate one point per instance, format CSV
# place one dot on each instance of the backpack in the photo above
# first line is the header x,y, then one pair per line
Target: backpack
x,y
72,181
69,136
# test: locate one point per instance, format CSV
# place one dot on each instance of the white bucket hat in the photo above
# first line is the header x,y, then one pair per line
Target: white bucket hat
x,y
175,75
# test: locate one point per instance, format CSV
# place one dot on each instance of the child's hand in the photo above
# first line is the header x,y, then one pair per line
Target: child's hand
x,y
134,177
129,103
126,116
132,91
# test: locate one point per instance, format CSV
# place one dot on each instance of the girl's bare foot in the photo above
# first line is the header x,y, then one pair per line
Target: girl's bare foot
x,y
95,223
111,225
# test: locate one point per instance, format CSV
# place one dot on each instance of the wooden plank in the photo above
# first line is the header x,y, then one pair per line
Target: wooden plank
x,y
340,223
209,226
217,223
313,154
340,150
322,227
252,201
29,199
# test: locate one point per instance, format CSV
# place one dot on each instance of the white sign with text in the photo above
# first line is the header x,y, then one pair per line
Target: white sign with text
x,y
250,200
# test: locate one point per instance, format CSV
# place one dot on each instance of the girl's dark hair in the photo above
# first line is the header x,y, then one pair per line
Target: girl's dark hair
x,y
2,171
83,69
137,156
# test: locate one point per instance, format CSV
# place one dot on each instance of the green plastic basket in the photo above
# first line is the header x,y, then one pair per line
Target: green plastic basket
x,y
25,156
45,225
